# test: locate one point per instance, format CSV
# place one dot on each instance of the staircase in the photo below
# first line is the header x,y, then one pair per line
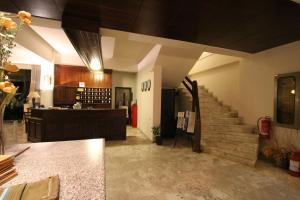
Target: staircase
x,y
223,132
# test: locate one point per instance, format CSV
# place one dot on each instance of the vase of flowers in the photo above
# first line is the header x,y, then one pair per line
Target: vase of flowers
x,y
10,24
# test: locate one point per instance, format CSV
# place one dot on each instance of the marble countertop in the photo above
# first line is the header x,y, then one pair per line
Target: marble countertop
x,y
79,164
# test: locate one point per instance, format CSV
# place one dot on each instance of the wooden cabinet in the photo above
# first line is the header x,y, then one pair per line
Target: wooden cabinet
x,y
65,75
66,82
69,124
35,129
64,95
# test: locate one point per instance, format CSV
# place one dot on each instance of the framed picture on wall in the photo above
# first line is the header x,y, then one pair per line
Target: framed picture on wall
x,y
143,86
146,85
149,85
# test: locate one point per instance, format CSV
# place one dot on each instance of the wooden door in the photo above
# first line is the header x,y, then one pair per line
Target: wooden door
x,y
59,94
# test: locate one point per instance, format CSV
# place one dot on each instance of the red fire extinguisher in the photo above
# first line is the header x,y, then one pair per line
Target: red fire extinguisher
x,y
294,168
264,127
134,115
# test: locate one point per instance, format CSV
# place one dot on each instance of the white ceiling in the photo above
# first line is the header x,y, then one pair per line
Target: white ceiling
x,y
208,61
21,55
56,38
119,53
123,51
297,1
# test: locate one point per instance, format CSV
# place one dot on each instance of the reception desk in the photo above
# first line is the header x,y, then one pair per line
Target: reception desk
x,y
69,124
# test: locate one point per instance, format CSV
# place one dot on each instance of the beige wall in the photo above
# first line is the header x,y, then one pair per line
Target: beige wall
x,y
156,87
145,103
223,82
248,86
123,79
149,102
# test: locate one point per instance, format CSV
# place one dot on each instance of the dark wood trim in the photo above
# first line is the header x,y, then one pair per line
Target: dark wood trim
x,y
55,125
123,88
187,87
196,109
249,26
68,75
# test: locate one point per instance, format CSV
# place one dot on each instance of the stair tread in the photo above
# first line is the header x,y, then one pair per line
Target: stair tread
x,y
223,132
233,157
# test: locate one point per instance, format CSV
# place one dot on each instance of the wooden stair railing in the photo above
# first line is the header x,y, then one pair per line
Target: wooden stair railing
x,y
193,89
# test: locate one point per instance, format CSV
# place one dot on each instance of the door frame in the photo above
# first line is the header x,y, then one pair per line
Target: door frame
x,y
123,88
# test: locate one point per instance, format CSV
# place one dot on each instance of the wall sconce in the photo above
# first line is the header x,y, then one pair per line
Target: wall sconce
x,y
48,79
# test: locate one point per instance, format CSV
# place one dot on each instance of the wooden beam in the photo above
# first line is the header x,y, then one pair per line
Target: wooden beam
x,y
32,41
187,87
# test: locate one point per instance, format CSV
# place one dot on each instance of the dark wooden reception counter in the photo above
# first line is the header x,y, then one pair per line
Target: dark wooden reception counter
x,y
70,124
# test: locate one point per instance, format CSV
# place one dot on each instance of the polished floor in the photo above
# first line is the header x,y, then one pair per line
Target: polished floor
x,y
140,170
137,169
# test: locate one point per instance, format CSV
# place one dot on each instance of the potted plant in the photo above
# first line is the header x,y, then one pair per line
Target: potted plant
x,y
276,155
281,158
156,135
10,24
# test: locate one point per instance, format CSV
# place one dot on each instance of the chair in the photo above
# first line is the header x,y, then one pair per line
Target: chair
x,y
185,126
27,115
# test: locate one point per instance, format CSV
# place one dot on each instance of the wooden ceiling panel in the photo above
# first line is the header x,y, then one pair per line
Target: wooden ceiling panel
x,y
44,8
244,25
8,6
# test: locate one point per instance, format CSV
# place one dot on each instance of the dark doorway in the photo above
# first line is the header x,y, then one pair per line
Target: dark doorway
x,y
123,98
21,79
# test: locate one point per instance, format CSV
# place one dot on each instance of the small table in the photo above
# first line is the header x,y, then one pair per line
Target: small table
x,y
79,164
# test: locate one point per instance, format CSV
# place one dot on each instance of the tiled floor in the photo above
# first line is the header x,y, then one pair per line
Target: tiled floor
x,y
140,170
137,169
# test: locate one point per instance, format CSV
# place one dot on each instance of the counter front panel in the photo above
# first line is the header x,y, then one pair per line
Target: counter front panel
x,y
56,125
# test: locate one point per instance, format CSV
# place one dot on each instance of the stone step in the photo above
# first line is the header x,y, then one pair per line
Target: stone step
x,y
215,105
202,97
230,138
220,120
240,128
229,156
223,132
219,114
212,104
205,99
251,137
241,151
203,90
244,147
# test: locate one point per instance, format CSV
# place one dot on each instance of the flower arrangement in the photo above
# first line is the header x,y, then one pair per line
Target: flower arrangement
x,y
10,24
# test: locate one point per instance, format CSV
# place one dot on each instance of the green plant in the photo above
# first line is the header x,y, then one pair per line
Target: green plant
x,y
8,31
156,130
281,157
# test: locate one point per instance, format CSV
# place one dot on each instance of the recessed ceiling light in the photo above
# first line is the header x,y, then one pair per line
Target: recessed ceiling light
x,y
95,64
297,1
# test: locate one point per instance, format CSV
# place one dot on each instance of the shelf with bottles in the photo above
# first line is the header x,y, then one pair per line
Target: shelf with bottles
x,y
94,95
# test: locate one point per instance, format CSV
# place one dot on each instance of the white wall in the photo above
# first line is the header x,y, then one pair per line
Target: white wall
x,y
211,60
47,83
123,79
157,86
145,103
257,78
149,102
248,86
223,82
